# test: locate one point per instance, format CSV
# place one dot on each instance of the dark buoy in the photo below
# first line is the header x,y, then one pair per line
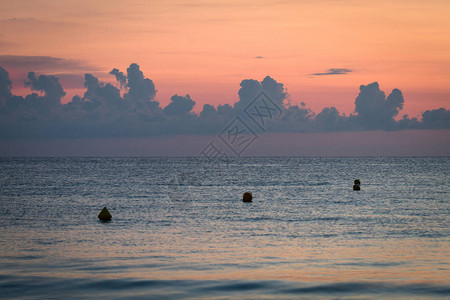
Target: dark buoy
x,y
356,186
247,197
105,215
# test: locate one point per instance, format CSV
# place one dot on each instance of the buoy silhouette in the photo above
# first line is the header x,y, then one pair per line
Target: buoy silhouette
x,y
247,197
356,186
105,215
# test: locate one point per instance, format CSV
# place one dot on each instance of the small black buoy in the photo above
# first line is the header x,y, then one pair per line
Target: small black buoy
x,y
356,186
247,197
105,215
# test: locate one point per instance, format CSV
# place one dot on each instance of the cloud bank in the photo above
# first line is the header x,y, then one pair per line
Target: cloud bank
x,y
132,111
43,63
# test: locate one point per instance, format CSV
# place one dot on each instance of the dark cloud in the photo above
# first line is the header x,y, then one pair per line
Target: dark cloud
x,y
97,93
5,84
120,77
43,64
329,119
102,111
258,57
333,71
179,105
26,20
375,111
139,88
207,111
250,88
48,84
294,119
437,118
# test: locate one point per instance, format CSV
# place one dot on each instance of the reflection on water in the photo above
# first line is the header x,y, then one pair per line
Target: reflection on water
x,y
306,234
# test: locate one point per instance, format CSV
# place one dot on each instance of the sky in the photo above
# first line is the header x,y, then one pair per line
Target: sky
x,y
322,53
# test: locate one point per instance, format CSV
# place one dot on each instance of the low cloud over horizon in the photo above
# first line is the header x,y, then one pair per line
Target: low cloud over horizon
x,y
132,110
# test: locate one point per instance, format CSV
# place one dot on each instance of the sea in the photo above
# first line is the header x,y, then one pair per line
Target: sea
x,y
180,229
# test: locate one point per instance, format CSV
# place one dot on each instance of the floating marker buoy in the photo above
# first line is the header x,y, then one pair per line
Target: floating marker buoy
x,y
105,215
356,186
247,197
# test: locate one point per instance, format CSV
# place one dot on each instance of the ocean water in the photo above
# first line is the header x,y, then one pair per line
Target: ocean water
x,y
180,230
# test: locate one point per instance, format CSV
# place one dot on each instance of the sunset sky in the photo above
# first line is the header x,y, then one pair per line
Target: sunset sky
x,y
321,51
205,48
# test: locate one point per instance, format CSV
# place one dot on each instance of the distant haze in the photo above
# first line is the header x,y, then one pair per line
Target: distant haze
x,y
375,143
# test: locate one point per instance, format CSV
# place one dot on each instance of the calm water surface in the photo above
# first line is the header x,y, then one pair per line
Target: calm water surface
x,y
180,229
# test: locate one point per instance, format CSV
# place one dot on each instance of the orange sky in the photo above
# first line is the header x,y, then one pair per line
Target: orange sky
x,y
205,48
